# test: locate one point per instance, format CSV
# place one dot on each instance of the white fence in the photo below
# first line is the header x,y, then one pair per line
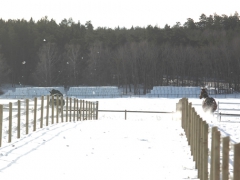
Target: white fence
x,y
228,109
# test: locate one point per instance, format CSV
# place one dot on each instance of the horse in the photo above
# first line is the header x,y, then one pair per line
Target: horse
x,y
209,103
54,93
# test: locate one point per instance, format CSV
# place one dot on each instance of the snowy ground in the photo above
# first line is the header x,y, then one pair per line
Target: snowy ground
x,y
145,146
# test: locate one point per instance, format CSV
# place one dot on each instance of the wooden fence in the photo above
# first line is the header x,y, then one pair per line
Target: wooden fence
x,y
23,116
212,161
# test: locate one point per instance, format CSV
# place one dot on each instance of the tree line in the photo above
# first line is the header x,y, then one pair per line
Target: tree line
x,y
45,53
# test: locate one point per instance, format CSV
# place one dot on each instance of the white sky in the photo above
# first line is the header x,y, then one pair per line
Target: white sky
x,y
112,13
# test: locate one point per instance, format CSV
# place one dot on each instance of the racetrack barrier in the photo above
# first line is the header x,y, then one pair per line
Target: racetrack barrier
x,y
204,147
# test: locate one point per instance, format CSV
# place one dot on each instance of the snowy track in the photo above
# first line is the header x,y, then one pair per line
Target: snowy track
x,y
104,149
145,146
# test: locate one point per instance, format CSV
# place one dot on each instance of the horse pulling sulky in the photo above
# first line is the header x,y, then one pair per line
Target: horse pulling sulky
x,y
209,103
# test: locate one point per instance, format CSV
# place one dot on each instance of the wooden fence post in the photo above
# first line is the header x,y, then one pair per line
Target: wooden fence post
x,y
10,123
96,110
27,115
86,110
214,129
91,110
62,109
52,103
19,119
47,114
77,110
189,119
1,121
205,152
194,136
184,102
80,110
67,109
70,118
201,146
42,106
203,149
57,109
216,155
83,110
225,158
236,164
182,113
74,108
199,128
194,115
190,123
35,114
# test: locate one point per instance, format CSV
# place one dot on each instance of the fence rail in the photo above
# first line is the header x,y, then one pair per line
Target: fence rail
x,y
17,118
126,111
223,111
196,130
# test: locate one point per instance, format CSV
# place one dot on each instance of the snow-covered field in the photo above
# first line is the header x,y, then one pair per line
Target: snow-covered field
x,y
145,146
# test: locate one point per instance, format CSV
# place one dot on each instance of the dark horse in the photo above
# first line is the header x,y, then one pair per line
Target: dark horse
x,y
56,93
209,103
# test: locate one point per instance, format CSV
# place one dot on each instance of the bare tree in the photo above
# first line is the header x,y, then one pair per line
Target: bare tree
x,y
116,63
48,69
165,64
146,55
123,60
96,51
4,69
74,57
236,65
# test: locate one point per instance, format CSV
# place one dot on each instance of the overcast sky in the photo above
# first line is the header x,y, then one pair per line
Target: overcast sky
x,y
114,13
